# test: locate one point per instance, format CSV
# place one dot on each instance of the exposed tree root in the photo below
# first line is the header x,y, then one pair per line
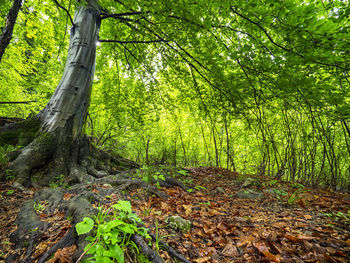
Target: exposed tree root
x,y
172,252
66,241
80,204
56,158
146,250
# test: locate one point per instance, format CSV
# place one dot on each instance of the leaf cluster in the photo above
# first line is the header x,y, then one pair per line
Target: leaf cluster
x,y
110,233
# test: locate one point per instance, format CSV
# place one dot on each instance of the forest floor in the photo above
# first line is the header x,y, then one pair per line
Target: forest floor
x,y
234,218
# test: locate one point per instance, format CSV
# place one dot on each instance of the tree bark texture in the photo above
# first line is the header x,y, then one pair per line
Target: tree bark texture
x,y
6,35
70,101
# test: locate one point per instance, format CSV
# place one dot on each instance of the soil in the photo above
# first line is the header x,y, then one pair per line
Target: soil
x,y
291,223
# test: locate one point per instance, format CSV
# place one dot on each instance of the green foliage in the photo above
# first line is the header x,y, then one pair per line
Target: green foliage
x,y
59,181
275,72
339,216
110,232
150,175
297,185
10,192
295,196
84,226
40,206
280,192
158,237
4,151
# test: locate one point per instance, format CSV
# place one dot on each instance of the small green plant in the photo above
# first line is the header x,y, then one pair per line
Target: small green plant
x,y
270,183
183,172
205,203
280,192
297,185
4,151
9,174
190,190
159,237
59,181
339,216
111,230
294,196
198,187
10,192
188,181
150,175
40,207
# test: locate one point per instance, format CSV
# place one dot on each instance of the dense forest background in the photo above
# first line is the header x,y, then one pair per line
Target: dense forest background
x,y
255,87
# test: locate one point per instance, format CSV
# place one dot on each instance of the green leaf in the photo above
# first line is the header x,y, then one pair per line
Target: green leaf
x,y
116,252
122,205
128,229
85,226
102,259
112,224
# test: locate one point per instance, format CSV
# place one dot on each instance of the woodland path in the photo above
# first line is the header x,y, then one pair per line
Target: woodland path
x,y
288,223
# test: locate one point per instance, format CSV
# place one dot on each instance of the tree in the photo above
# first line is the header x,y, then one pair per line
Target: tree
x,y
262,57
57,130
7,31
255,62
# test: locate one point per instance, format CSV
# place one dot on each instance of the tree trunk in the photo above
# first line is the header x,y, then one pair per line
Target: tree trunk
x,y
6,35
69,103
60,124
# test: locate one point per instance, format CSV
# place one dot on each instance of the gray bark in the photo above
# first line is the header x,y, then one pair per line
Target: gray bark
x,y
70,101
6,35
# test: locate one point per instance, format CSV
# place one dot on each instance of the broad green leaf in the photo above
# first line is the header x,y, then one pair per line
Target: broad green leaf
x,y
84,226
102,259
123,206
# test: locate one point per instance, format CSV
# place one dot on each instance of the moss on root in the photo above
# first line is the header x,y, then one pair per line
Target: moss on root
x,y
20,133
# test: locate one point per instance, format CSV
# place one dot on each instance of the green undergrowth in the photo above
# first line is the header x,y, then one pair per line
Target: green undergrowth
x,y
110,233
150,174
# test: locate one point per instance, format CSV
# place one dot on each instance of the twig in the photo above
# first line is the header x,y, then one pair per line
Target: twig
x,y
120,15
17,102
132,41
83,254
60,6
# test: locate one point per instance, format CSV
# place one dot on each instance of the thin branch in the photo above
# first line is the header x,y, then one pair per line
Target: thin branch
x,y
284,48
132,41
17,102
258,25
83,254
62,7
121,15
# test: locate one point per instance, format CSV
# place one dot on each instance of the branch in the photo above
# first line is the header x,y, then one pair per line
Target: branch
x,y
282,47
62,7
265,32
132,41
16,102
121,15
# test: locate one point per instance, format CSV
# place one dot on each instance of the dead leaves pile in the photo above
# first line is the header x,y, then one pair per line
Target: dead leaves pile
x,y
224,227
10,204
228,229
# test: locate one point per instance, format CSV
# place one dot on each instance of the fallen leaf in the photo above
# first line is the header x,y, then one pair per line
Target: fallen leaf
x,y
67,196
188,209
298,238
230,250
207,229
265,251
64,255
308,217
201,260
